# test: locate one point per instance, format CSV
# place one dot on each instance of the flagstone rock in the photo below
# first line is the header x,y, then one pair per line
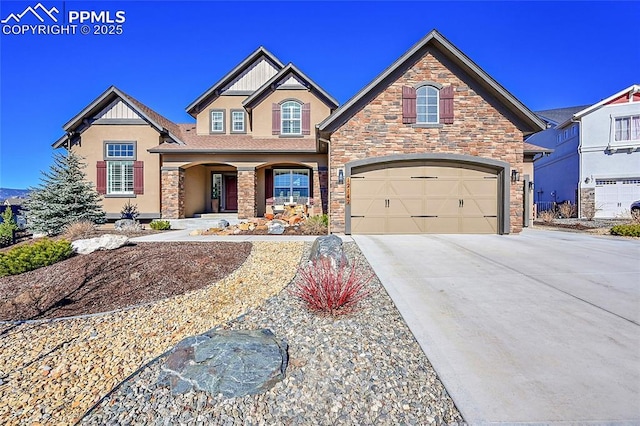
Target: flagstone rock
x,y
234,363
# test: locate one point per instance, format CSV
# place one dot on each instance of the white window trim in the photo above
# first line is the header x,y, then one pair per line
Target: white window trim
x,y
233,121
437,90
282,119
124,176
212,121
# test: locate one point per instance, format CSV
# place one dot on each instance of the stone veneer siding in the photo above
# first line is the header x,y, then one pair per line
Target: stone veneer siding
x,y
247,184
479,129
587,202
172,193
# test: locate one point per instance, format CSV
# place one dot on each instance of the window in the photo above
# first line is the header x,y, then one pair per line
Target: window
x,y
427,105
292,183
217,121
291,118
627,128
120,158
237,121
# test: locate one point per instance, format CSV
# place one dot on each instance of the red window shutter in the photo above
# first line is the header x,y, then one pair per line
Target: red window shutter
x,y
408,105
446,105
138,177
306,119
268,183
101,177
275,119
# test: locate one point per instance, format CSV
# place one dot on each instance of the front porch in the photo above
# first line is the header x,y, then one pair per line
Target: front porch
x,y
248,189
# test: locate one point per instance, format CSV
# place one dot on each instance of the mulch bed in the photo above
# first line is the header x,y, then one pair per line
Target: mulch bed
x,y
106,280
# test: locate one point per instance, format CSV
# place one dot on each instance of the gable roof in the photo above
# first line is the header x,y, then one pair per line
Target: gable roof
x,y
213,92
559,115
633,89
529,122
529,148
78,123
282,76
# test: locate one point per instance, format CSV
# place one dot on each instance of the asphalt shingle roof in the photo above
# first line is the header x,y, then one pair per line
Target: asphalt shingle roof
x,y
560,115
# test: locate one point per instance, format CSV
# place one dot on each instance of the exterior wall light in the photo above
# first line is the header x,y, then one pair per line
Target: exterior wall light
x,y
340,176
515,176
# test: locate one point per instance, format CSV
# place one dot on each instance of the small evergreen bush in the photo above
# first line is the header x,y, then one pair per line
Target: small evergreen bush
x,y
7,227
630,230
160,225
29,257
129,211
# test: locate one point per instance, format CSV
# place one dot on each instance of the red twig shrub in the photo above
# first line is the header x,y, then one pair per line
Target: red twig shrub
x,y
332,290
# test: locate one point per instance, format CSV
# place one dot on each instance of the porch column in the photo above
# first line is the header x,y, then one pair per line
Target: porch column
x,y
172,193
247,184
317,199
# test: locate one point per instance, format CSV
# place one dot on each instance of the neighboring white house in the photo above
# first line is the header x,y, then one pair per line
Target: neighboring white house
x,y
596,158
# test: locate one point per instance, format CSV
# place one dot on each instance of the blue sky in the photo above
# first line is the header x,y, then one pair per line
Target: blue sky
x,y
548,54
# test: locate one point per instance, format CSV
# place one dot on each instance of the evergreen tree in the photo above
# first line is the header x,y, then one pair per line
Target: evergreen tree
x,y
63,197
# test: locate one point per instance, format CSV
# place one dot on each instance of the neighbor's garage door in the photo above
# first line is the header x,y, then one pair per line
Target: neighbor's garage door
x,y
418,199
614,196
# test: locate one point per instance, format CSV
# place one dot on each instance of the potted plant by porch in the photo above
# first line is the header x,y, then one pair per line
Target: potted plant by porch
x,y
215,200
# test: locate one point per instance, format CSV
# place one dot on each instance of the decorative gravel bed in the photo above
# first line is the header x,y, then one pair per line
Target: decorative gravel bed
x,y
53,371
364,368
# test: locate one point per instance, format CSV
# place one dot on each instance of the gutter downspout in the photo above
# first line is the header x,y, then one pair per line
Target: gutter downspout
x,y
328,142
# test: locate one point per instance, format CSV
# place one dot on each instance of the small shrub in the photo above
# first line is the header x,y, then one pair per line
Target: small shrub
x,y
635,216
8,225
328,289
589,211
567,209
129,211
77,230
316,225
547,216
629,230
29,257
160,225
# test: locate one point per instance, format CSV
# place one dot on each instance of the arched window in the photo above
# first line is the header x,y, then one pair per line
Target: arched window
x,y
291,118
427,104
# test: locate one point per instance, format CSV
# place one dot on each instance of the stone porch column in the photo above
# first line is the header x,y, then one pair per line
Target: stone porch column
x,y
247,185
323,195
172,193
317,199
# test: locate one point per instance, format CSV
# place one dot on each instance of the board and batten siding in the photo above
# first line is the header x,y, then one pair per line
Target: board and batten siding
x,y
117,110
253,78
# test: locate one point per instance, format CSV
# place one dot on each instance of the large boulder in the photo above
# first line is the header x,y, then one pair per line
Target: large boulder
x,y
105,242
232,362
328,247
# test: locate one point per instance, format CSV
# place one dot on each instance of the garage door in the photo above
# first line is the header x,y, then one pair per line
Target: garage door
x,y
614,196
424,198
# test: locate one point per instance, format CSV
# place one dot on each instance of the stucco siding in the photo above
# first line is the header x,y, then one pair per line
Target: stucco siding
x,y
91,148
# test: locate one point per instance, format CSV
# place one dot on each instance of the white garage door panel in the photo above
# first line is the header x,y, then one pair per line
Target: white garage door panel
x,y
613,197
424,199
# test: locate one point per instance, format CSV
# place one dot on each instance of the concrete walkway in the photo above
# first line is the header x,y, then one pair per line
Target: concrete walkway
x,y
541,327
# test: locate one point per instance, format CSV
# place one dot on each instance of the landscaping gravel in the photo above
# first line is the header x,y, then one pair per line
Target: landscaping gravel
x,y
363,368
53,371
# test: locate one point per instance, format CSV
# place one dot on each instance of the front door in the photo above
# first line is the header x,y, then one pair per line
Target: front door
x,y
231,192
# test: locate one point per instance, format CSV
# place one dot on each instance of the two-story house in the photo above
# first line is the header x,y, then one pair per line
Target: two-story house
x,y
253,141
432,145
596,158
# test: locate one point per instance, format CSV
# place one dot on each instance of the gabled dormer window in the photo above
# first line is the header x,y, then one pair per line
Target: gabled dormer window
x,y
217,121
291,118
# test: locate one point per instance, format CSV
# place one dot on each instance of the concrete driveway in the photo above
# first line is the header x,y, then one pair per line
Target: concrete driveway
x,y
539,327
